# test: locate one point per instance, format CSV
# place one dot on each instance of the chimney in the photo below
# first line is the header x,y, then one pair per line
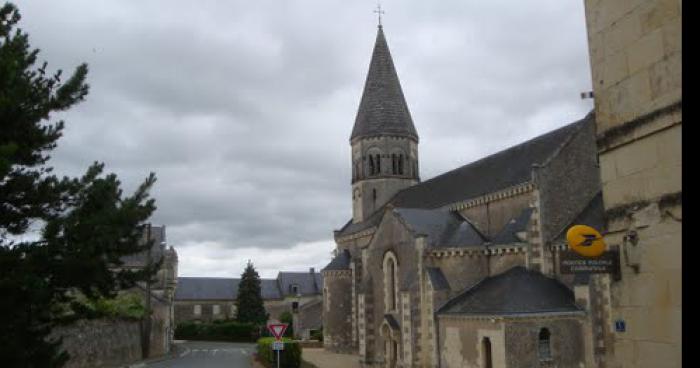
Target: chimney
x,y
311,270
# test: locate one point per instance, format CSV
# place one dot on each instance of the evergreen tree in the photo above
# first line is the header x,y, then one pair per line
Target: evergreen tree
x,y
86,224
249,302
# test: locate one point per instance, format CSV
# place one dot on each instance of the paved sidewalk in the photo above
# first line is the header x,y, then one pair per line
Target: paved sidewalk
x,y
325,359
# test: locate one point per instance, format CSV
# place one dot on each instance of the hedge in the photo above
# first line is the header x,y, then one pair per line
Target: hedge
x,y
217,331
290,357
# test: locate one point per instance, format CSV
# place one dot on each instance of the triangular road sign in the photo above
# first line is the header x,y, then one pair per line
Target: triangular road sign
x,y
277,329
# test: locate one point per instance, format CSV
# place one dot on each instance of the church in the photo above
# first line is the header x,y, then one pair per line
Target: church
x,y
460,270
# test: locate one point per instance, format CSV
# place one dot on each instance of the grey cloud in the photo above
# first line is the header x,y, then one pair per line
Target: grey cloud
x,y
244,109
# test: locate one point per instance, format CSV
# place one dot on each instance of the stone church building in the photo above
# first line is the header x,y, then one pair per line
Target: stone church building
x,y
460,270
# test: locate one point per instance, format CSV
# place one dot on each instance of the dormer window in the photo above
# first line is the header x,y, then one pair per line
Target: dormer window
x,y
294,289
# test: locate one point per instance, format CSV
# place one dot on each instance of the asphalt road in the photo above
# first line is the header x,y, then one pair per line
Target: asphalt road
x,y
204,354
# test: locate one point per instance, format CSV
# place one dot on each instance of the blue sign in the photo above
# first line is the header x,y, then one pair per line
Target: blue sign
x,y
620,325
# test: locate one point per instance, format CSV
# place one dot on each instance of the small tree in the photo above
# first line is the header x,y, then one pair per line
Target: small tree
x,y
288,318
249,302
87,225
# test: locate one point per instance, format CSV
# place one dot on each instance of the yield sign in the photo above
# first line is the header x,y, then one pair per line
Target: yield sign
x,y
277,329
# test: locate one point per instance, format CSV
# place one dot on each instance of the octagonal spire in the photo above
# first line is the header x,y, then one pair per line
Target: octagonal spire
x,y
383,109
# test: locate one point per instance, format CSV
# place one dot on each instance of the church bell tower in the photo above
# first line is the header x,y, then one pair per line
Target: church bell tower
x,y
384,141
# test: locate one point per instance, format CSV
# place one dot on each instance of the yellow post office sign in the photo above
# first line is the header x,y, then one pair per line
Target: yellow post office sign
x,y
585,241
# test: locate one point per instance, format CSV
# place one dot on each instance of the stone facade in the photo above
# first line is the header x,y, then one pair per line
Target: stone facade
x,y
635,57
204,299
110,342
514,342
100,343
402,262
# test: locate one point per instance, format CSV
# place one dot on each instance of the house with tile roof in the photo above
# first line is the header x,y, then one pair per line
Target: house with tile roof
x,y
460,269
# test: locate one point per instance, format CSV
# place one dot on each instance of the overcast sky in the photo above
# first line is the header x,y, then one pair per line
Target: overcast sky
x,y
244,109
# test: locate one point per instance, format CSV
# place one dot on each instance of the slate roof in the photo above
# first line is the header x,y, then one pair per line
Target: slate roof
x,y
492,173
383,108
443,228
269,289
516,291
498,171
339,262
206,288
371,221
213,288
437,278
592,215
507,235
306,281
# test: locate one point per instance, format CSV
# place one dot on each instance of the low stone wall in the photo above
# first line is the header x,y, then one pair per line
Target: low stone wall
x,y
100,343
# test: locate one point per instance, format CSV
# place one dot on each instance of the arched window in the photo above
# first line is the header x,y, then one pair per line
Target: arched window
x,y
378,162
486,353
371,165
391,271
544,348
400,164
394,164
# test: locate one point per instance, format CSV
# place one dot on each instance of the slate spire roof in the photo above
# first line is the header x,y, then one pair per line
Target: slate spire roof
x,y
383,109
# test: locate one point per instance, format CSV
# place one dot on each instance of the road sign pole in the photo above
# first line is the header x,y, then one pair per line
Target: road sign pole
x,y
278,359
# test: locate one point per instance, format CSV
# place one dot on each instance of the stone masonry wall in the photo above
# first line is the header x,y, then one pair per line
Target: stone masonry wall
x,y
184,310
491,216
568,181
337,318
566,343
99,343
635,55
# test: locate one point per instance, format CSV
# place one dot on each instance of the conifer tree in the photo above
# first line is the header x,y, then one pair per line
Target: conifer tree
x,y
249,301
86,224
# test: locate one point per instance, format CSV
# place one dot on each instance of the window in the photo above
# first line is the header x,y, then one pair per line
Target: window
x,y
197,310
215,309
378,162
486,351
233,311
394,166
544,348
294,289
400,164
390,281
295,307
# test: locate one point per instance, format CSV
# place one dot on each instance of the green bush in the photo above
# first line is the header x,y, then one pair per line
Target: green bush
x,y
317,334
127,305
216,331
290,357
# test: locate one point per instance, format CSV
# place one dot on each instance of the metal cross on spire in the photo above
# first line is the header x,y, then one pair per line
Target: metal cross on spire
x,y
379,12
